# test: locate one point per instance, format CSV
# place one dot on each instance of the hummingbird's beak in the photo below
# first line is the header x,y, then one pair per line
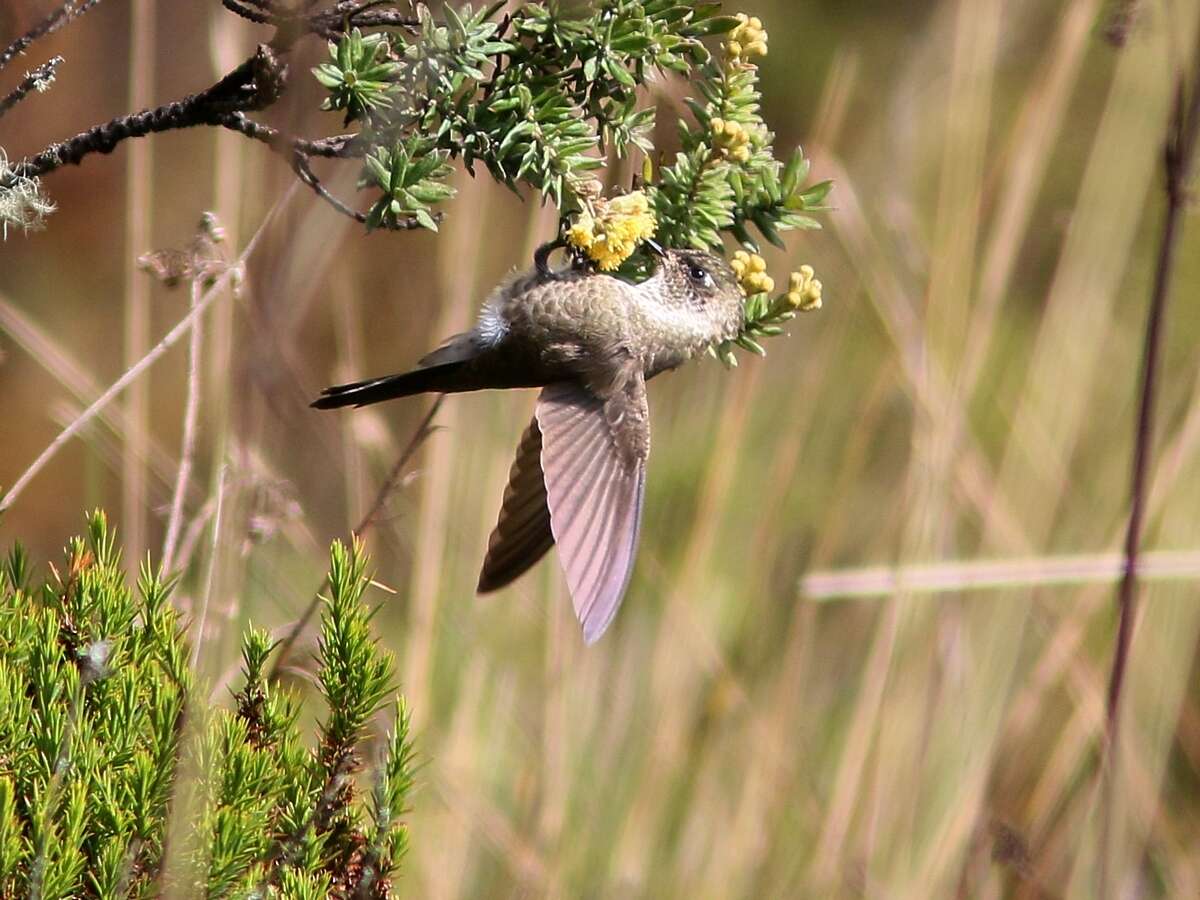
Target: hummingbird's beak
x,y
656,248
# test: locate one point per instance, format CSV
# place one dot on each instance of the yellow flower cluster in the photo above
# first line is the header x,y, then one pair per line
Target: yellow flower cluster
x,y
804,291
611,231
747,40
751,270
732,139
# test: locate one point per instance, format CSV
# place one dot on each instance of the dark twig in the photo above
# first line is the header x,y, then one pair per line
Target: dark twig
x,y
35,80
246,11
365,14
255,84
342,146
305,173
299,151
56,20
1178,156
326,23
382,18
1121,19
368,521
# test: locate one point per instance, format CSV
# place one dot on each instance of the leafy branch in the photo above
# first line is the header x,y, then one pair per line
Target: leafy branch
x,y
542,97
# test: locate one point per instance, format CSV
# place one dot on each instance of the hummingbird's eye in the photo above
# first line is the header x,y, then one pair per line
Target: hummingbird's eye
x,y
700,275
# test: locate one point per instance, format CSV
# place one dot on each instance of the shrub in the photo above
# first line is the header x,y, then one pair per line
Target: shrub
x,y
120,778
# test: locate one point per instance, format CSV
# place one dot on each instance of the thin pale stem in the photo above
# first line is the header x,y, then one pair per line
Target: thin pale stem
x,y
190,418
138,215
368,521
214,551
998,574
219,287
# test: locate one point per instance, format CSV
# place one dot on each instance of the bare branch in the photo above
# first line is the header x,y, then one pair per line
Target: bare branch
x,y
342,146
305,173
299,150
255,84
327,23
35,80
1179,149
246,11
56,20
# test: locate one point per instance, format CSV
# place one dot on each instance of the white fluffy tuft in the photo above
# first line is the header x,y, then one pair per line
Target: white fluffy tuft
x,y
492,326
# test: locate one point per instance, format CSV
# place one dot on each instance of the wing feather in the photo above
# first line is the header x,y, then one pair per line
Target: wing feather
x,y
522,535
594,463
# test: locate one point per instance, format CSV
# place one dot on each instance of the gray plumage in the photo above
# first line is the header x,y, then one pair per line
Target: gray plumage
x,y
590,341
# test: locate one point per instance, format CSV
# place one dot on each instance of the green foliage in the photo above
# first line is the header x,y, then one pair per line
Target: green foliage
x,y
409,176
548,96
358,79
108,747
709,190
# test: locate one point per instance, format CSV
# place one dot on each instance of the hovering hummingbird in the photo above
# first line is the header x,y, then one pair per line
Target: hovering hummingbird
x,y
589,341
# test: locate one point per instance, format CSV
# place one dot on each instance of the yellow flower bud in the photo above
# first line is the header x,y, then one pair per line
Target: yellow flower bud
x,y
582,233
748,39
758,264
804,291
813,295
614,231
634,204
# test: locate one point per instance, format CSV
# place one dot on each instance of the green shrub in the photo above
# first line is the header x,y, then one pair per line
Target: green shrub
x,y
119,778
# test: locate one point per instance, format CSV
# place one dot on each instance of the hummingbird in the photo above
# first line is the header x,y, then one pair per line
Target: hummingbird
x,y
590,341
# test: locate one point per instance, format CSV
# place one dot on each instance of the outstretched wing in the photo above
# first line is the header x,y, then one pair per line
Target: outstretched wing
x,y
522,534
594,463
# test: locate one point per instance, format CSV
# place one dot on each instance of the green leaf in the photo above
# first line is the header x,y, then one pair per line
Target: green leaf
x,y
426,219
814,196
715,25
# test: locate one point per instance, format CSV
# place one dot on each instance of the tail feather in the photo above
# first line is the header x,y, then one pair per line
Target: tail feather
x,y
444,378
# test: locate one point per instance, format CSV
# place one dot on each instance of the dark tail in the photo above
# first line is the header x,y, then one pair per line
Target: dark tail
x,y
445,378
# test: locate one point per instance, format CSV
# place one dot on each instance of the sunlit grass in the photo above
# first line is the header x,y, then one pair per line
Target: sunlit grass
x,y
965,396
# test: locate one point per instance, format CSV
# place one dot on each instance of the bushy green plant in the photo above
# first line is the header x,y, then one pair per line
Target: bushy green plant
x,y
118,777
543,96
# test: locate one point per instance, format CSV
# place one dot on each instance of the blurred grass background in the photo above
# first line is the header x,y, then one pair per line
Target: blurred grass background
x,y
966,395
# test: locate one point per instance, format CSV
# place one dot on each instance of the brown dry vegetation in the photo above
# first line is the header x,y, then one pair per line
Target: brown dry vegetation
x,y
966,396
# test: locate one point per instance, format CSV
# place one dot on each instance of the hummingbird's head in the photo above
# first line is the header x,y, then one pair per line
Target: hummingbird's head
x,y
702,282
